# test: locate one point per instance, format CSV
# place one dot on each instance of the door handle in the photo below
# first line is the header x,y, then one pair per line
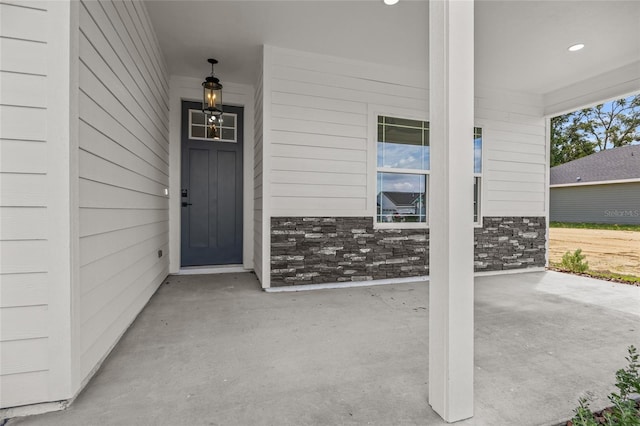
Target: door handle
x,y
185,204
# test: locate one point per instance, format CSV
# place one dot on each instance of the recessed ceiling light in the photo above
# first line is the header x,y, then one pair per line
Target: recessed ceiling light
x,y
576,47
390,2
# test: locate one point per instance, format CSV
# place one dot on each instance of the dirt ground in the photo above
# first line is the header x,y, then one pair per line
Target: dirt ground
x,y
613,251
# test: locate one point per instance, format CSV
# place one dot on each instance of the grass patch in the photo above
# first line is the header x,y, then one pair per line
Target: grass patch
x,y
609,226
602,275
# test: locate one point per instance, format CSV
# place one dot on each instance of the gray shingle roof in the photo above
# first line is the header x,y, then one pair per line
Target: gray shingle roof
x,y
611,164
402,198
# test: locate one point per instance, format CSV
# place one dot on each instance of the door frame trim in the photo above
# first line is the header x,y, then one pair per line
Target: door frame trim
x,y
190,89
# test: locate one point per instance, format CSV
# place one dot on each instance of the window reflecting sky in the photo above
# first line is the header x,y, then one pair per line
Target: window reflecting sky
x,y
401,182
477,155
401,156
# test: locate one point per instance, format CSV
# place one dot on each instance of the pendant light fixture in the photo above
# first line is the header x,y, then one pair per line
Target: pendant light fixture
x,y
212,93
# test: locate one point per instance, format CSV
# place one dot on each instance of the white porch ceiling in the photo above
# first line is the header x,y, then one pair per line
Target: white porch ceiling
x,y
520,45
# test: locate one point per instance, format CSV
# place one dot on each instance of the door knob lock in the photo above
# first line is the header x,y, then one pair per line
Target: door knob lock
x,y
185,204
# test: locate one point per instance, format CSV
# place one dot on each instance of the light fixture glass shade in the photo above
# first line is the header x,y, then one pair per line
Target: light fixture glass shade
x,y
212,96
575,47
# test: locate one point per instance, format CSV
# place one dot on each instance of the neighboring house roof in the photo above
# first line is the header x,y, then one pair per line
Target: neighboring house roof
x,y
402,198
615,164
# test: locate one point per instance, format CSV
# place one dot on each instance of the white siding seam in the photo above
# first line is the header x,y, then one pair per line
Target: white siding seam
x,y
24,106
87,377
313,158
123,188
118,6
123,147
127,69
23,73
123,228
123,126
155,282
323,184
513,161
22,39
302,133
511,180
317,146
22,306
145,49
346,88
107,301
157,51
24,140
24,6
3,274
126,86
361,78
162,144
153,49
130,45
122,167
314,171
25,371
122,248
23,173
23,239
86,289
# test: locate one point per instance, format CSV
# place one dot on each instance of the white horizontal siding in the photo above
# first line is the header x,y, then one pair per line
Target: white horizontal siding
x,y
96,273
514,153
23,123
28,289
24,355
19,156
100,221
23,256
123,172
320,140
123,314
23,189
23,223
25,388
22,89
23,322
24,216
23,23
319,129
23,56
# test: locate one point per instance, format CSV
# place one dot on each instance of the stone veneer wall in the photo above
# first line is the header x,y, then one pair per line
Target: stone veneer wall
x,y
313,250
510,243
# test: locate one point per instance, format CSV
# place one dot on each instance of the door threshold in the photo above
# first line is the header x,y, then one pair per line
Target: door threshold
x,y
211,269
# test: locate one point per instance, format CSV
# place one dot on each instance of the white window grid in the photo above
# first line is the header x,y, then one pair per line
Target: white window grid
x,y
477,180
226,118
419,172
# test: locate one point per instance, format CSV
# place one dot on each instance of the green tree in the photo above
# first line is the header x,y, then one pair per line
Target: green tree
x,y
567,143
588,130
611,125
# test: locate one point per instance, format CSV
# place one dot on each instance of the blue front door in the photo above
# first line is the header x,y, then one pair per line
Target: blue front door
x,y
211,193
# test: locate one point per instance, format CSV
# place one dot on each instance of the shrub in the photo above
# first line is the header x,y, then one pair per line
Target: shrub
x,y
625,411
574,262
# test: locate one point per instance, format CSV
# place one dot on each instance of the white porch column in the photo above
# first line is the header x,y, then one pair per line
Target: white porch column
x,y
451,101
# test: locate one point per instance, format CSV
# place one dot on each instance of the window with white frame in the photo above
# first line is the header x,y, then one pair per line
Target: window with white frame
x,y
477,174
210,128
402,170
403,164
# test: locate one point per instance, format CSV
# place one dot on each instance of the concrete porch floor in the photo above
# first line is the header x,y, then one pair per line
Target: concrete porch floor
x,y
215,350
